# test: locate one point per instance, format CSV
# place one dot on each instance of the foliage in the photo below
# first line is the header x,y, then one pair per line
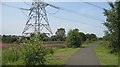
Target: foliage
x,y
9,38
44,37
91,37
60,31
106,58
60,35
53,38
107,36
113,25
28,53
33,53
82,37
11,56
58,38
73,39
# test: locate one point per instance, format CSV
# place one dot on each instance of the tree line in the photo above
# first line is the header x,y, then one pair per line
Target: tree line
x,y
75,38
60,35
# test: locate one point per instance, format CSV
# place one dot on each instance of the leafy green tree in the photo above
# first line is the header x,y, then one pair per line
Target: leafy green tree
x,y
107,36
54,38
113,24
42,36
88,36
60,31
60,34
82,36
9,38
91,37
73,39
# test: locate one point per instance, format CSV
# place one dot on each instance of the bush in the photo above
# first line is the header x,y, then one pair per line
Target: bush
x,y
33,53
28,53
73,39
9,38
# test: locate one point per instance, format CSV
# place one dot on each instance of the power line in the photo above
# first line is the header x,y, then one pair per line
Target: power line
x,y
10,6
24,13
60,17
84,15
77,13
70,11
93,5
14,7
66,19
27,4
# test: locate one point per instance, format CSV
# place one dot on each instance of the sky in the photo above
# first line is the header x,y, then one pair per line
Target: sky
x,y
89,19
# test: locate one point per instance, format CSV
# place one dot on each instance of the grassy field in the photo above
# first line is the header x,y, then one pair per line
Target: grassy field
x,y
60,55
105,57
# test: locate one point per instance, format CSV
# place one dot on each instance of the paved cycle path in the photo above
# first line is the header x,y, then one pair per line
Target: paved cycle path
x,y
85,56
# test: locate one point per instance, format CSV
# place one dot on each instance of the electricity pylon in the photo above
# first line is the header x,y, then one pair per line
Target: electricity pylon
x,y
37,19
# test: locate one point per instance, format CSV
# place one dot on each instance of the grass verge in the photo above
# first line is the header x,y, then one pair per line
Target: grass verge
x,y
105,57
0,56
60,56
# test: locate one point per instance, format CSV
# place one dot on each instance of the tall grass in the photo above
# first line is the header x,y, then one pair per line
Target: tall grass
x,y
104,55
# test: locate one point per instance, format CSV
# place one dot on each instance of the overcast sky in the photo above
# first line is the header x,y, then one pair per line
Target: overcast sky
x,y
90,20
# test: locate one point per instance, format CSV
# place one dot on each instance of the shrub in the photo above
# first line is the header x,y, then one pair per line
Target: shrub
x,y
73,39
34,54
28,53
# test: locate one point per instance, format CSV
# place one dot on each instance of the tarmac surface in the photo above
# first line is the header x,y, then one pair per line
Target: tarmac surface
x,y
85,56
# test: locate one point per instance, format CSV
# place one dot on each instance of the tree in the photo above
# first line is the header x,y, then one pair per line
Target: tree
x,y
9,38
82,36
91,37
60,31
60,34
107,36
42,36
113,24
54,38
88,36
73,39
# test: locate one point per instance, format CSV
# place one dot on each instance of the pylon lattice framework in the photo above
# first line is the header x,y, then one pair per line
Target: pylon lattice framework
x,y
37,19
